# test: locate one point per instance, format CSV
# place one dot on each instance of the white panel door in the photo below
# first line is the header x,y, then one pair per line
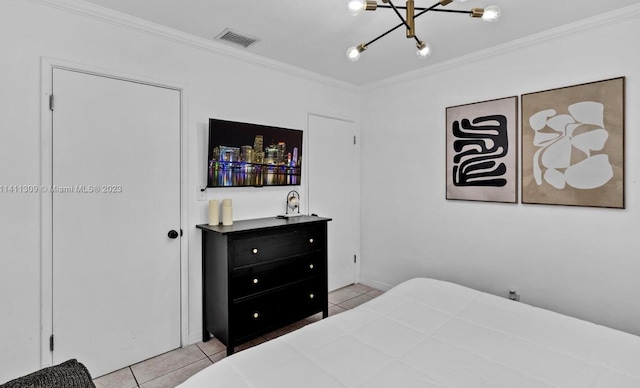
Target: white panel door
x,y
332,192
116,196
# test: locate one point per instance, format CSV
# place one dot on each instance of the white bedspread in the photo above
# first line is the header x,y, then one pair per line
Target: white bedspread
x,y
429,333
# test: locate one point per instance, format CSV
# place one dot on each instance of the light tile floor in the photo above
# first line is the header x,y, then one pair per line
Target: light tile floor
x,y
170,369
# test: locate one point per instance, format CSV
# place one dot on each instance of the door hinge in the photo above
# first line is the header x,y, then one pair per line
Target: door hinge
x,y
51,102
354,258
354,140
180,232
51,343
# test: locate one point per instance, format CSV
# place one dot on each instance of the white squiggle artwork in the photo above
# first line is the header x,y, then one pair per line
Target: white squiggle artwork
x,y
554,157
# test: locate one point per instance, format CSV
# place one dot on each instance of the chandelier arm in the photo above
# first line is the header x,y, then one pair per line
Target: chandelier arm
x,y
409,22
452,11
404,23
387,33
425,10
384,34
399,15
429,9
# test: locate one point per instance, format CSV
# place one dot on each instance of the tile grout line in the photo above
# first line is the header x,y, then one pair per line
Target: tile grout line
x,y
346,300
173,370
209,357
134,376
176,370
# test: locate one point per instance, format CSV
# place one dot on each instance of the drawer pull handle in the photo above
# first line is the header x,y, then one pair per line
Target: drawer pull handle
x,y
255,281
310,296
256,315
311,240
255,250
310,266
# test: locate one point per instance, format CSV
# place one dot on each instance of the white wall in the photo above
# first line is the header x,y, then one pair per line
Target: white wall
x,y
408,228
579,261
217,85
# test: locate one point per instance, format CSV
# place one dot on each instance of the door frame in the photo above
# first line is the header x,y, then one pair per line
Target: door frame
x,y
46,199
356,193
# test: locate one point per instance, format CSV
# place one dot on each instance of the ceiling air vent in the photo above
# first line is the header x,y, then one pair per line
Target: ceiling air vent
x,y
234,37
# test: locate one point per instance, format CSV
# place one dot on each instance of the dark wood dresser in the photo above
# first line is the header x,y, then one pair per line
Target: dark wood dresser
x,y
262,274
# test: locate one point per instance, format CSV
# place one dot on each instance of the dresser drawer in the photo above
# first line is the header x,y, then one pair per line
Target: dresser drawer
x,y
258,315
256,249
252,280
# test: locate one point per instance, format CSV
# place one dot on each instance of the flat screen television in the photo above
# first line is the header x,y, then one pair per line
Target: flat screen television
x,y
244,154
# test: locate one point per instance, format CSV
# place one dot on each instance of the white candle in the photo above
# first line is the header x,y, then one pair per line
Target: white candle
x,y
214,217
227,212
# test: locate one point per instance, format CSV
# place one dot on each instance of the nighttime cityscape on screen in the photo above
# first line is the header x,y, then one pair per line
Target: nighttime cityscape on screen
x,y
239,156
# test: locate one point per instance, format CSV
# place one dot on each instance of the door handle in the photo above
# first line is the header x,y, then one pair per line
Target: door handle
x,y
173,234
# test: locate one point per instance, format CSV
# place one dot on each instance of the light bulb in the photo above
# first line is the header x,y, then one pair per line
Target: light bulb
x,y
355,6
353,54
491,14
424,50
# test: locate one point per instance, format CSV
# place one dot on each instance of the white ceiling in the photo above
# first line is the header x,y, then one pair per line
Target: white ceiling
x,y
314,35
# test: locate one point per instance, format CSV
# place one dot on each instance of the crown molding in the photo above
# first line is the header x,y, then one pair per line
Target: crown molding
x,y
86,9
607,19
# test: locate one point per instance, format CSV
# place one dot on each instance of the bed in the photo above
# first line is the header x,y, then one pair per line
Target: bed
x,y
430,333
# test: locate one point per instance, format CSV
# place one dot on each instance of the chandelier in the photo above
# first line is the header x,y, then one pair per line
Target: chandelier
x,y
488,14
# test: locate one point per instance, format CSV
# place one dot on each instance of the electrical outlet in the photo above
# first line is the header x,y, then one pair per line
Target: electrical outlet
x,y
201,194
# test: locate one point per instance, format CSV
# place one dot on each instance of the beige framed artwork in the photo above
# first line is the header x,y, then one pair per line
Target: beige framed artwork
x,y
573,145
482,151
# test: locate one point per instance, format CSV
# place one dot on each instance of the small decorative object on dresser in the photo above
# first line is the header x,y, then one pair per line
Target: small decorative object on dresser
x,y
293,204
262,274
214,209
227,212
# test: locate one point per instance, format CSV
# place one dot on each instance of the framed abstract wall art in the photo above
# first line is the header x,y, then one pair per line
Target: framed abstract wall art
x,y
482,151
573,145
